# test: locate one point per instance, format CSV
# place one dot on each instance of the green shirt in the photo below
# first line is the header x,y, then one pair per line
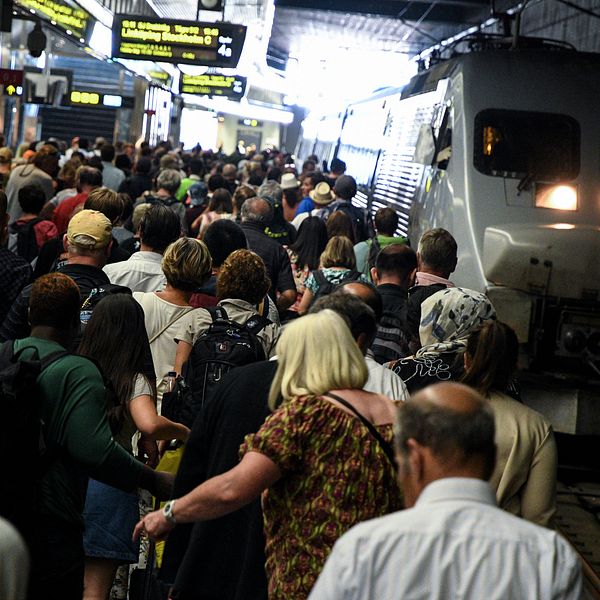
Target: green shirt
x,y
185,185
361,251
76,432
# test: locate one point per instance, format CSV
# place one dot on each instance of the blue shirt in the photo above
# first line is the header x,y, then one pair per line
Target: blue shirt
x,y
306,205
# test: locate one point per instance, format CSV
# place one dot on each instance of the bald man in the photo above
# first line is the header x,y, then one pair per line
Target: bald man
x,y
451,541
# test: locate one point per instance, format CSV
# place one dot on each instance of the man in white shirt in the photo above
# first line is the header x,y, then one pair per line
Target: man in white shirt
x,y
360,318
142,271
451,541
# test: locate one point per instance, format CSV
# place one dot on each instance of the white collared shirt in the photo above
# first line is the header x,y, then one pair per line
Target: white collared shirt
x,y
141,272
385,381
454,543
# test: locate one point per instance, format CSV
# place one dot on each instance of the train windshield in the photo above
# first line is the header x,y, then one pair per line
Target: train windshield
x,y
519,144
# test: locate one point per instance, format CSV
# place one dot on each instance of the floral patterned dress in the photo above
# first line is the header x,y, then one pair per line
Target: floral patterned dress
x,y
334,475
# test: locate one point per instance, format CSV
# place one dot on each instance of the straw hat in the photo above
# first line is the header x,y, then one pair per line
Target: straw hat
x,y
322,194
289,181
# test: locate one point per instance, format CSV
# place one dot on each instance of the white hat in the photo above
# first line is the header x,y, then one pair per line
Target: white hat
x,y
289,181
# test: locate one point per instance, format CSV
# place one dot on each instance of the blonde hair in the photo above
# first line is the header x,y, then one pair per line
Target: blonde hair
x,y
339,252
317,353
187,264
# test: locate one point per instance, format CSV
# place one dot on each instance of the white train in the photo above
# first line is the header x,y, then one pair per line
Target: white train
x,y
502,148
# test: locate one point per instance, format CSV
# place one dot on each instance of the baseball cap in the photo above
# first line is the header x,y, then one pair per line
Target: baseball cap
x,y
89,229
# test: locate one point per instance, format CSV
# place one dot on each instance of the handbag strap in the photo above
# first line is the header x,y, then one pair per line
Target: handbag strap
x,y
171,322
385,446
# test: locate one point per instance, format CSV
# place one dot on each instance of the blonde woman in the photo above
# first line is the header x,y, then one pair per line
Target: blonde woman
x,y
186,265
323,468
336,266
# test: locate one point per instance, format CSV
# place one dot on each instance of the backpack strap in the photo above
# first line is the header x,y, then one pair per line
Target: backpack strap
x,y
320,278
351,275
256,323
385,446
218,313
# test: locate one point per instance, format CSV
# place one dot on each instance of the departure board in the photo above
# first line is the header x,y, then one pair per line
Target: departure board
x,y
227,86
64,14
188,42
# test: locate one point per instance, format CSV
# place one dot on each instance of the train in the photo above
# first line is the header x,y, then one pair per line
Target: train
x,y
501,147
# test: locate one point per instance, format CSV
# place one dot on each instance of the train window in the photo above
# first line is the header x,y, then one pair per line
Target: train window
x,y
518,144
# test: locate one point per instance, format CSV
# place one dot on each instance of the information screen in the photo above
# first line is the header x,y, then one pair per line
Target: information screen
x,y
65,14
227,86
188,42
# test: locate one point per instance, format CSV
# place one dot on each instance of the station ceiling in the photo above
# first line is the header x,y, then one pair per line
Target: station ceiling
x,y
407,26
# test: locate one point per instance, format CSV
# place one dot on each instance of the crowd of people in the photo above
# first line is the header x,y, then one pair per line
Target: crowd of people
x,y
346,420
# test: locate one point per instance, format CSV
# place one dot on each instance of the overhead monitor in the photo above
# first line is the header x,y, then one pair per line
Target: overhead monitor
x,y
226,86
67,15
187,42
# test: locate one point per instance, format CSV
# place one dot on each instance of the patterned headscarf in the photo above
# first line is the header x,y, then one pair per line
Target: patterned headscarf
x,y
448,318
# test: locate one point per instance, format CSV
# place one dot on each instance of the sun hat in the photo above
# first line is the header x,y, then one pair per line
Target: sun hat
x,y
322,194
89,229
289,181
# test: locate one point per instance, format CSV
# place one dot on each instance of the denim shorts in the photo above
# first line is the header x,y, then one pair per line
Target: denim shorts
x,y
110,516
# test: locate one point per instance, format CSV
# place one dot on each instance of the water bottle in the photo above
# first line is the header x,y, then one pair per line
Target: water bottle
x,y
170,381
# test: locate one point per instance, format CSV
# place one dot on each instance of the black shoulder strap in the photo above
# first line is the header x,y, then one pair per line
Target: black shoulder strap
x,y
53,357
256,323
218,313
385,446
321,279
350,275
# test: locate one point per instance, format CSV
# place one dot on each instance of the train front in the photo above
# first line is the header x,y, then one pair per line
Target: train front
x,y
535,209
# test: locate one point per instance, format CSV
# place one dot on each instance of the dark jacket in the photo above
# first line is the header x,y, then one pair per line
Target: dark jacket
x,y
274,256
416,295
223,558
136,185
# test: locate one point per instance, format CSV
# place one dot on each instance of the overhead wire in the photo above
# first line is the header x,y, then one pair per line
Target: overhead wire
x,y
582,9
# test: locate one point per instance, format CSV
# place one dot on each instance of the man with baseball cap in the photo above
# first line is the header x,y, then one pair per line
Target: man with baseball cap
x,y
87,243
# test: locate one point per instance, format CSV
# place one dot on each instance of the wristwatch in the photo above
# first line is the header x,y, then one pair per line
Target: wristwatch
x,y
168,512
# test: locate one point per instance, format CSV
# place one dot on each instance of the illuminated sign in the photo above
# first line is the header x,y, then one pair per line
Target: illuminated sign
x,y
11,82
188,42
250,123
228,86
160,76
91,98
65,14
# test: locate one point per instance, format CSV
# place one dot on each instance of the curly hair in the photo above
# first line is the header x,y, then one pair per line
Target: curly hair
x,y
243,276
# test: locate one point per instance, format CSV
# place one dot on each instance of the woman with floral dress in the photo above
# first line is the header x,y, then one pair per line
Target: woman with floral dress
x,y
320,468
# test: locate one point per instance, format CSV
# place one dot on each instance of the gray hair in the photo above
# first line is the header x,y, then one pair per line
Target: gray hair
x,y
257,210
168,179
271,189
447,432
438,250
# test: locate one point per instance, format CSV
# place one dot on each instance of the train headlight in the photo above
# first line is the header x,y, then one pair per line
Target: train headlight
x,y
557,197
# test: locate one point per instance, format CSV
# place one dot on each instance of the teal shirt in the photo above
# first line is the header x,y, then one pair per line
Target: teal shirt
x,y
361,251
73,409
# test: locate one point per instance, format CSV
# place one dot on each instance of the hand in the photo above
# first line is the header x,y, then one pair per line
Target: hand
x,y
147,448
154,524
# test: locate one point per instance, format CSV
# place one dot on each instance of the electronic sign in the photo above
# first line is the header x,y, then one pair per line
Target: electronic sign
x,y
64,14
227,86
92,98
187,42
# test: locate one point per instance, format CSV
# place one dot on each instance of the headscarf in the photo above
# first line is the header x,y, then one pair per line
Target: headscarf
x,y
449,317
198,193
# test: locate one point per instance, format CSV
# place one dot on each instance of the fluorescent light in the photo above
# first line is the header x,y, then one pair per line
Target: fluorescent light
x,y
242,109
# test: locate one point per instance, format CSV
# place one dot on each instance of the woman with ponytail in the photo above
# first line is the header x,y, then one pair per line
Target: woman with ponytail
x,y
526,461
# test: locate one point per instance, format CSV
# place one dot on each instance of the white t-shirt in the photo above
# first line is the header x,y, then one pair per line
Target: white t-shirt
x,y
163,320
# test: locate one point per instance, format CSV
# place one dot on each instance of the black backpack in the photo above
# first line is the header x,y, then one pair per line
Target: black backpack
x,y
22,443
224,346
359,217
326,287
96,294
26,244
